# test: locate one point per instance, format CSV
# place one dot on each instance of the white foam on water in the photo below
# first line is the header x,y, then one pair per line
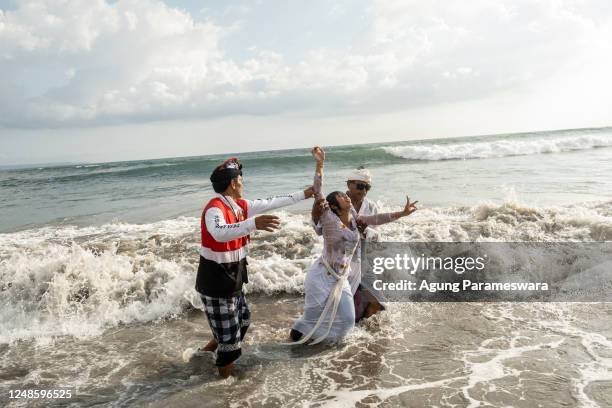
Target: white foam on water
x,y
276,274
558,319
187,354
70,290
494,368
67,280
499,148
52,285
599,369
349,398
79,281
505,222
489,361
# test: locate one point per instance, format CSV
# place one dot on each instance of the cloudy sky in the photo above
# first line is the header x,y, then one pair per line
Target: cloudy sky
x,y
96,80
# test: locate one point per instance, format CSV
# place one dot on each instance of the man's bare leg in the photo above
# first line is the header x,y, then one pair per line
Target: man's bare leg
x,y
226,371
211,346
373,308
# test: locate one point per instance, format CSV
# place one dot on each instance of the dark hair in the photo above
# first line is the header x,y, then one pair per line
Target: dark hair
x,y
221,186
223,175
332,200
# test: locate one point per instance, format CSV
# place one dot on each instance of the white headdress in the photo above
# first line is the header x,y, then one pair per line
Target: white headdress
x,y
360,174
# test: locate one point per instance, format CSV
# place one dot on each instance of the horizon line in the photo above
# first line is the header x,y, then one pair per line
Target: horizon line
x,y
27,166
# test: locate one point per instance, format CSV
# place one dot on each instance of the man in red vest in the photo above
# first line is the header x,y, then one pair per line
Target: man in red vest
x,y
227,221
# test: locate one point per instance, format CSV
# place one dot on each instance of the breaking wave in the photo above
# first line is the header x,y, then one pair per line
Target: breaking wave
x,y
499,148
68,280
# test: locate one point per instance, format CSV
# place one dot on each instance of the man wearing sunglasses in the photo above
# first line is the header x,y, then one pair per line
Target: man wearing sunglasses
x,y
358,183
227,221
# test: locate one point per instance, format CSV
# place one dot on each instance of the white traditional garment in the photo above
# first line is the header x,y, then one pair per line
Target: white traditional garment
x,y
368,207
366,280
329,311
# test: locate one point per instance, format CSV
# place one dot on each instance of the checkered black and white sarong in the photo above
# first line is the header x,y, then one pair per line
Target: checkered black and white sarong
x,y
229,320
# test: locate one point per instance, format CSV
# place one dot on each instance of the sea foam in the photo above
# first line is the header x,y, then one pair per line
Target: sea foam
x,y
499,148
68,280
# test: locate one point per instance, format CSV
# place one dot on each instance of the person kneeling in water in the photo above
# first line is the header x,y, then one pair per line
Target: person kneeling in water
x,y
227,221
328,310
358,185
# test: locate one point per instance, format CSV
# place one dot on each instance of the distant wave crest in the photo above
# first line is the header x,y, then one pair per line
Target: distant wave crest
x,y
498,148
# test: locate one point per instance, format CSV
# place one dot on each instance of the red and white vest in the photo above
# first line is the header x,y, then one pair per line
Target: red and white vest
x,y
224,252
222,270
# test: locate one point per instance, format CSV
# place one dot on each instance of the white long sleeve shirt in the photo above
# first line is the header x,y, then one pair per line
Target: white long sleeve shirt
x,y
223,232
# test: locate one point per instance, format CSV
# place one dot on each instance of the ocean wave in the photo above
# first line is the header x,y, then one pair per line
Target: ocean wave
x,y
86,166
498,148
67,280
78,281
79,173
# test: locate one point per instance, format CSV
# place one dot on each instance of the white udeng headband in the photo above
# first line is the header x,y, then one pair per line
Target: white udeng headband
x,y
360,175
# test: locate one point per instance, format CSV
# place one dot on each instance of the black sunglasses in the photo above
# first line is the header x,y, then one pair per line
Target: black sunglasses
x,y
363,186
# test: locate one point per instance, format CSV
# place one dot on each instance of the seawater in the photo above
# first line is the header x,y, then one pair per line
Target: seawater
x,y
98,261
550,168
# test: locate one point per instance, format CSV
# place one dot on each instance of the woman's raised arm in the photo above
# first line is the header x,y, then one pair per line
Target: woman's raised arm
x,y
319,156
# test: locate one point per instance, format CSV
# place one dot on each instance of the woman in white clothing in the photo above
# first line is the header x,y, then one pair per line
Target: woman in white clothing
x,y
329,311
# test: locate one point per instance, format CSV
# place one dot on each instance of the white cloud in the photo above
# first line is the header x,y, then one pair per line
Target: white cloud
x,y
127,59
90,62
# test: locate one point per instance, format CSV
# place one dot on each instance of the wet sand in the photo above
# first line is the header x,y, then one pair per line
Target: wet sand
x,y
412,355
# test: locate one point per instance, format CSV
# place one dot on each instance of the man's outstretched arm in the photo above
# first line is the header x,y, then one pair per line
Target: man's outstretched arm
x,y
223,232
262,205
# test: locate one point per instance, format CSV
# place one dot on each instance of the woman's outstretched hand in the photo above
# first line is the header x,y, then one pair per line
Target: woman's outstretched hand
x,y
318,154
410,207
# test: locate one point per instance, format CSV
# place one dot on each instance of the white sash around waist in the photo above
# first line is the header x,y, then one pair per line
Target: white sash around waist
x,y
333,300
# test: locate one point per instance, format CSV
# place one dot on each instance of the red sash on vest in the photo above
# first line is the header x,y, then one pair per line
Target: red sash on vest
x,y
230,218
